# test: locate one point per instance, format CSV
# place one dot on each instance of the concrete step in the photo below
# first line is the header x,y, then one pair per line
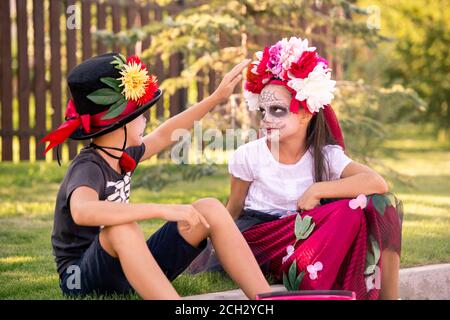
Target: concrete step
x,y
431,282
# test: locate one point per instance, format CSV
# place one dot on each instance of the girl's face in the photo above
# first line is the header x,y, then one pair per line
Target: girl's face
x,y
135,131
277,121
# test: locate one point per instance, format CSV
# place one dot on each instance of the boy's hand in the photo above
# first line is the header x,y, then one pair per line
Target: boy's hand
x,y
187,215
229,82
309,199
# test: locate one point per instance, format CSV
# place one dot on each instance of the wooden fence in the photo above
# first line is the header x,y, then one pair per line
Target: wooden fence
x,y
38,49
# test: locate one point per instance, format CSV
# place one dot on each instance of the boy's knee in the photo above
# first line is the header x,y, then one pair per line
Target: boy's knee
x,y
122,234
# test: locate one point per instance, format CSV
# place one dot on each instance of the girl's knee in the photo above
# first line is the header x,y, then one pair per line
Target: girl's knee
x,y
213,210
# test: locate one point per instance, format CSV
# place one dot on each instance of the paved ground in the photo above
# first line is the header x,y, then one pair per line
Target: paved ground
x,y
427,282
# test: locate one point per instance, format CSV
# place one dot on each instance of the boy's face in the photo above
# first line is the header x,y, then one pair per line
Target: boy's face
x,y
276,118
135,131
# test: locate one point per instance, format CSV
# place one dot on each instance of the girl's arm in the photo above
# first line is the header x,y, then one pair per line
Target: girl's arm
x,y
356,179
238,192
161,137
87,210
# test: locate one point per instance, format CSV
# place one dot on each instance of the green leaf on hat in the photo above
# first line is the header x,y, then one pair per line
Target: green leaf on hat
x,y
104,96
124,59
116,109
113,83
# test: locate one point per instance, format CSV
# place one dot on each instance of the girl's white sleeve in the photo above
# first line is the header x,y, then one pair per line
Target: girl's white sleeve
x,y
337,160
239,164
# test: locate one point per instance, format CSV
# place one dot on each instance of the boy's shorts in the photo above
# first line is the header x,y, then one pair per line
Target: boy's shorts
x,y
97,272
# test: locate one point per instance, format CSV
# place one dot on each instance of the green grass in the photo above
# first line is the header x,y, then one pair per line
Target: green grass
x,y
27,194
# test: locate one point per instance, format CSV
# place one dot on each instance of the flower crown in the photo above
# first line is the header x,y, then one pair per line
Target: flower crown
x,y
298,67
136,85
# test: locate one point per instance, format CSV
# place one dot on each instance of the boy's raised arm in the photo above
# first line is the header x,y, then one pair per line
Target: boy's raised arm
x,y
161,137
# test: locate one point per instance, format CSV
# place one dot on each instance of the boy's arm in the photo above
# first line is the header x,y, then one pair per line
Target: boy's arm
x,y
238,193
161,137
88,210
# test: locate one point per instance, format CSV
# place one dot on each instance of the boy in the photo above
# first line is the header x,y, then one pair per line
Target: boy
x,y
98,245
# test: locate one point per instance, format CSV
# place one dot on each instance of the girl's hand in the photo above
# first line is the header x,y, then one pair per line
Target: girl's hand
x,y
229,82
187,215
309,199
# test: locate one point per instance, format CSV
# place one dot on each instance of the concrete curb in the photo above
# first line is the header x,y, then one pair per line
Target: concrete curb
x,y
430,282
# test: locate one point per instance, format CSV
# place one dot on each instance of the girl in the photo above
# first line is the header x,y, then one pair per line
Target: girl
x,y
285,186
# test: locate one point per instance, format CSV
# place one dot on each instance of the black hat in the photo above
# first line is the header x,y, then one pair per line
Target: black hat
x,y
108,91
84,79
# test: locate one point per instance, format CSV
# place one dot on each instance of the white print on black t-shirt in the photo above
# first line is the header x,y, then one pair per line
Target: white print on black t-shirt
x,y
122,189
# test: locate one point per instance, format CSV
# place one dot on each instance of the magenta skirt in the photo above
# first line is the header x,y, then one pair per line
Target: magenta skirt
x,y
336,246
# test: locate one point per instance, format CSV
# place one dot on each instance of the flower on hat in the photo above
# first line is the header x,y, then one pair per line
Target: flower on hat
x,y
299,67
135,85
133,81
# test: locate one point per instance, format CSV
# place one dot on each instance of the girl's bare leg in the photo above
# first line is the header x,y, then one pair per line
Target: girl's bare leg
x,y
231,248
390,262
127,243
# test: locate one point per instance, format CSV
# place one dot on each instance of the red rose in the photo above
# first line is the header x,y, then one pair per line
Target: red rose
x,y
305,64
251,77
254,87
262,67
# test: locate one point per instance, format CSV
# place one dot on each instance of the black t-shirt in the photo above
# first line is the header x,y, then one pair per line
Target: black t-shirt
x,y
70,240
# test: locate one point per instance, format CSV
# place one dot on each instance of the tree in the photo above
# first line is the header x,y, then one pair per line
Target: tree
x,y
216,34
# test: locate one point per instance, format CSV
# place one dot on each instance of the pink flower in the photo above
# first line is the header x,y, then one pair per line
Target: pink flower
x,y
374,281
290,250
274,64
360,201
313,269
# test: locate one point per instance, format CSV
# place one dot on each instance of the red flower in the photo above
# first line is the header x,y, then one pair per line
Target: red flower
x,y
136,60
150,89
305,64
262,67
251,77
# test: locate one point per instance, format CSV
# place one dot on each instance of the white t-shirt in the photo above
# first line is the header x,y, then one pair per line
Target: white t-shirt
x,y
276,187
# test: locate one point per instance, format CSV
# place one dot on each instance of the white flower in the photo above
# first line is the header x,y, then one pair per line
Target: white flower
x,y
290,250
292,49
252,100
317,89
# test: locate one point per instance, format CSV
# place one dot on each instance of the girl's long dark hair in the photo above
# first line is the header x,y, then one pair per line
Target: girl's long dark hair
x,y
319,135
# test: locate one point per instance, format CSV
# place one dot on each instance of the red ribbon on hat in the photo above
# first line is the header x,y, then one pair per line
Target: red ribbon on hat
x,y
73,122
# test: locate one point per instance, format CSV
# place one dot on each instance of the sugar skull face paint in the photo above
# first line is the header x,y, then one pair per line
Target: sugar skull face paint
x,y
277,122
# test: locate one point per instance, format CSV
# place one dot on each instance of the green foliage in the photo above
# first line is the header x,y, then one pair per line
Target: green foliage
x,y
291,280
373,257
303,227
